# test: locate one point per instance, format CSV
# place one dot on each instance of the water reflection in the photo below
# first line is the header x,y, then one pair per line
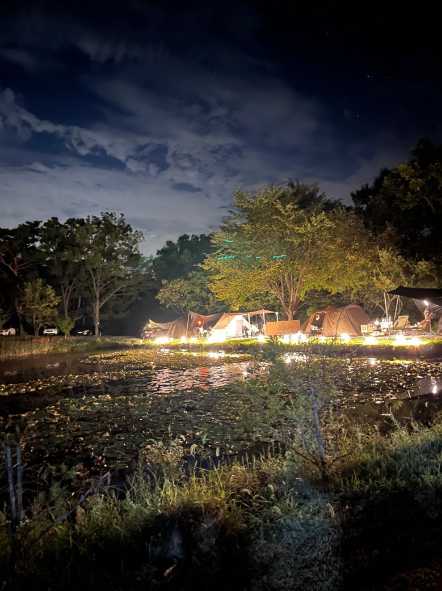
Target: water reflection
x,y
165,381
429,385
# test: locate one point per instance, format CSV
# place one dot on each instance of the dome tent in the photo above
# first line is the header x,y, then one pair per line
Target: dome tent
x,y
333,322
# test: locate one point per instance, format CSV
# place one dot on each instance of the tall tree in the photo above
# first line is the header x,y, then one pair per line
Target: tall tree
x,y
270,248
407,202
62,255
177,259
19,262
38,304
388,270
189,293
111,260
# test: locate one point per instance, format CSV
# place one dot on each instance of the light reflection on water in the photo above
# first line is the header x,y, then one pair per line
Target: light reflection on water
x,y
429,385
166,381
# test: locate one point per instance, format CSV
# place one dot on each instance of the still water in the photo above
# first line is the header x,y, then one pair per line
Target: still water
x,y
95,411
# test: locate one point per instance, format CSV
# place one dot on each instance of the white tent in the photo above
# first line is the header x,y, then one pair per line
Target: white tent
x,y
231,325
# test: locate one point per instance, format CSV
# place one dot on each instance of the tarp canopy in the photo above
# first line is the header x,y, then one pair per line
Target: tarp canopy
x,y
185,326
203,321
423,297
430,294
174,330
333,322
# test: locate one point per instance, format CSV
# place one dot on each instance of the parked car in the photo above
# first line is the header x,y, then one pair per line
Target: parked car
x,y
8,332
50,330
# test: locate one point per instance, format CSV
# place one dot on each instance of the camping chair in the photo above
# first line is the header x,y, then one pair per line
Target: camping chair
x,y
401,323
367,329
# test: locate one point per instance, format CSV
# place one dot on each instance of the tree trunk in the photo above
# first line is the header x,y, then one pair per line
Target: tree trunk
x,y
19,317
97,316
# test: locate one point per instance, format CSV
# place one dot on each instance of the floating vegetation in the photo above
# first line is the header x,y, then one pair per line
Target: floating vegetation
x,y
98,410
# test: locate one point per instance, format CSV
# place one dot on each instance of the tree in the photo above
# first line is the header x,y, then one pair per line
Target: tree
x,y
407,201
65,325
38,304
271,250
178,259
4,316
111,260
388,270
62,254
19,262
189,293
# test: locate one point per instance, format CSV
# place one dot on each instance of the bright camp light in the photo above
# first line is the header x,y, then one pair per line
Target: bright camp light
x,y
183,339
415,342
370,340
216,354
193,340
218,337
162,340
400,339
345,337
261,338
301,337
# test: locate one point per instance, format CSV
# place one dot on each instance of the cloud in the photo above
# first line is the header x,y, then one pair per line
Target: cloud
x,y
165,134
20,57
81,190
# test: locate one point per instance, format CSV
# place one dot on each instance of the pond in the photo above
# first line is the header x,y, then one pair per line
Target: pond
x,y
91,413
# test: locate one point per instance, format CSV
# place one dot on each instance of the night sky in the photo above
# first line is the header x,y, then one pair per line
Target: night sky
x,y
161,110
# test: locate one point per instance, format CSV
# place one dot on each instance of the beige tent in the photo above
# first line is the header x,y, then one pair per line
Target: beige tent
x,y
230,325
333,322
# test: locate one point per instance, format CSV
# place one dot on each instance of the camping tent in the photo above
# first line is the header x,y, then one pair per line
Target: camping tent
x,y
186,326
333,322
173,330
231,324
201,321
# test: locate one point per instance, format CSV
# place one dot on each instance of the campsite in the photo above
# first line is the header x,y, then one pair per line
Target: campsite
x,y
228,413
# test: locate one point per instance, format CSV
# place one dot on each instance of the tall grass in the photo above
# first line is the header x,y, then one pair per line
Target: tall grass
x,y
251,525
11,347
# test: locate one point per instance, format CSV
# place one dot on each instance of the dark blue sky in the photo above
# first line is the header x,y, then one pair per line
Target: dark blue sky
x,y
161,110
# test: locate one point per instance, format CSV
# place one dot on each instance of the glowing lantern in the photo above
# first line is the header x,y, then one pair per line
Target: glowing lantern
x,y
162,340
400,339
415,342
345,337
370,340
261,338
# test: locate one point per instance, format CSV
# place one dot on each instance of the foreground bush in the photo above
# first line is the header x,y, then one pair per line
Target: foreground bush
x,y
241,526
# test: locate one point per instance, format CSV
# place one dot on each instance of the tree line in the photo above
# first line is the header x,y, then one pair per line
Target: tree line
x,y
281,246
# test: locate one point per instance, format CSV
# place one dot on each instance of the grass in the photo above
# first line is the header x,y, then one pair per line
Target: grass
x,y
249,524
186,520
265,523
11,347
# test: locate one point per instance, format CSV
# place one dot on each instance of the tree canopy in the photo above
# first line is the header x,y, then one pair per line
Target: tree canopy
x,y
407,202
189,293
270,249
38,304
